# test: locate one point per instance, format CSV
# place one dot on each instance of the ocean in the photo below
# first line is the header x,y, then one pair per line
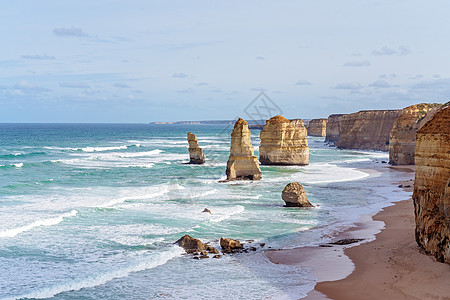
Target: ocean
x,y
92,211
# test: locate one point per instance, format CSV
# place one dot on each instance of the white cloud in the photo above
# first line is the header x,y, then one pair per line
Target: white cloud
x,y
39,57
380,84
384,51
348,86
357,63
72,31
180,75
121,85
74,85
303,82
260,57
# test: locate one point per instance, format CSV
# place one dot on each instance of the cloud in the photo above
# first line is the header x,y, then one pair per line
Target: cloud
x,y
22,88
357,63
186,91
436,76
260,57
74,85
355,54
380,84
72,31
417,76
384,51
402,50
180,75
348,86
258,89
39,57
202,84
121,85
303,82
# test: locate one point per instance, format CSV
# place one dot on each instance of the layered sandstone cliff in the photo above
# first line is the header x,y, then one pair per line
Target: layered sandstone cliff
x,y
333,127
317,127
195,152
242,163
301,126
402,140
282,143
431,187
368,129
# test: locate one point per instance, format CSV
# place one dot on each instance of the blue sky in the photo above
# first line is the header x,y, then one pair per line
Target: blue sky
x,y
142,61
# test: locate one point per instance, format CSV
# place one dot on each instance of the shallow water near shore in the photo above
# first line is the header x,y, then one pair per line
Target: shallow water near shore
x,y
92,211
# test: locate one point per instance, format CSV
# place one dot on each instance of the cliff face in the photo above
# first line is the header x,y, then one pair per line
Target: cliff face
x,y
301,126
431,187
242,163
332,128
283,144
195,152
402,140
368,129
317,127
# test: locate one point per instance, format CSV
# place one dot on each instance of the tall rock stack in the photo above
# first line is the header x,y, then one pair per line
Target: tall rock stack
x,y
300,125
317,127
282,143
432,186
367,129
333,127
242,163
195,152
402,139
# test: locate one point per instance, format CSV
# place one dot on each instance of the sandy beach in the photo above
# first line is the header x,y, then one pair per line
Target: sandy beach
x,y
389,266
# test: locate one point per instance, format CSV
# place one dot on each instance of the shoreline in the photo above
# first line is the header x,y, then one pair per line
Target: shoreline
x,y
386,263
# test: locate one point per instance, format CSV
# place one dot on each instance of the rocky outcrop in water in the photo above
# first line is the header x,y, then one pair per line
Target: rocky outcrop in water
x,y
317,127
333,128
294,195
242,163
282,143
367,130
195,152
402,140
300,125
432,186
230,245
192,245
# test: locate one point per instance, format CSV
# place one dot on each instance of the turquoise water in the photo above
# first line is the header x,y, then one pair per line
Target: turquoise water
x,y
92,212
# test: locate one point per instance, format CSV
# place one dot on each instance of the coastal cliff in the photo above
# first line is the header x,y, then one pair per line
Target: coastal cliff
x,y
402,139
195,152
333,127
367,129
431,187
317,127
283,144
242,163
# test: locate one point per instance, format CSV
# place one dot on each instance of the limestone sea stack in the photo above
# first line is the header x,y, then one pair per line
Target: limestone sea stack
x,y
294,195
300,125
333,127
402,139
367,130
432,186
195,152
242,163
317,127
282,143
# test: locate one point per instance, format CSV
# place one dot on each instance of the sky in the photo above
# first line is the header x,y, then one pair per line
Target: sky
x,y
139,61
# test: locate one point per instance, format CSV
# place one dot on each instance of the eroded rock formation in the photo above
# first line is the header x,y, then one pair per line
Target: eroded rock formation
x,y
195,152
282,143
402,140
333,127
192,245
317,127
242,163
300,125
230,245
431,187
294,195
368,129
